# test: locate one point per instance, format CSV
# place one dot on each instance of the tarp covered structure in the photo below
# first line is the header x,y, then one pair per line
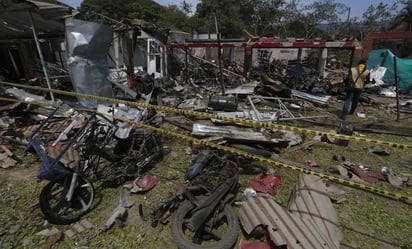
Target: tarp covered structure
x,y
385,58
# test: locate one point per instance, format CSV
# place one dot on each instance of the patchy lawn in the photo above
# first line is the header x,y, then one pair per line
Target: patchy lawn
x,y
368,221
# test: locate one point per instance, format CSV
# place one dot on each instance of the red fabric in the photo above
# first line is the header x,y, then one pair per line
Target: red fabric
x,y
255,245
7,146
265,244
369,176
145,183
265,183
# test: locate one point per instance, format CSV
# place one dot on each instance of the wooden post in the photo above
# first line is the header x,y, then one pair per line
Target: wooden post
x,y
219,55
41,55
395,68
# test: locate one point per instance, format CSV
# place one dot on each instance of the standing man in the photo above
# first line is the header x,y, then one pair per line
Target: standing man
x,y
355,83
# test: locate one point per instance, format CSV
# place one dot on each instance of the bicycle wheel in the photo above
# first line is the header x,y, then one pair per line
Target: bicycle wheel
x,y
55,206
220,232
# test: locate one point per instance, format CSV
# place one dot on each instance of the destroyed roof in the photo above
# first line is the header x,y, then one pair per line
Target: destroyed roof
x,y
48,18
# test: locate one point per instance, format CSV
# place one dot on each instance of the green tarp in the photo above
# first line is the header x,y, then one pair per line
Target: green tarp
x,y
385,58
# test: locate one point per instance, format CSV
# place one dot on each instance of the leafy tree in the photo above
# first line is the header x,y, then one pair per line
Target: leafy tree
x,y
146,10
175,17
107,11
285,22
376,18
261,16
403,21
97,10
227,13
186,7
319,12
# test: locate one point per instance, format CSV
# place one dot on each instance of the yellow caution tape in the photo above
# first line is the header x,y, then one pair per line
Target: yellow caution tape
x,y
215,116
385,193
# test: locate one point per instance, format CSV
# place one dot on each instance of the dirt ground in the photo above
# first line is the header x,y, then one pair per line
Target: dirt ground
x,y
367,220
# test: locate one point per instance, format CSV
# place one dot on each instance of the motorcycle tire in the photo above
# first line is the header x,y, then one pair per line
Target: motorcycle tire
x,y
228,228
55,207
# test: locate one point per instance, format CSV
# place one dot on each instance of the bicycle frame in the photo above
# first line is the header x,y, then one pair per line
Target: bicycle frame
x,y
53,164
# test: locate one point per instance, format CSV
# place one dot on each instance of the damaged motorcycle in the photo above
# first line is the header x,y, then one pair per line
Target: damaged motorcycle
x,y
71,150
203,216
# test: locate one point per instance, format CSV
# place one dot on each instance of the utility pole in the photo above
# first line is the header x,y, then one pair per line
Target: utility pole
x,y
219,56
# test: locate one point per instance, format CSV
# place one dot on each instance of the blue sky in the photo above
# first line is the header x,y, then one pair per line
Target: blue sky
x,y
357,6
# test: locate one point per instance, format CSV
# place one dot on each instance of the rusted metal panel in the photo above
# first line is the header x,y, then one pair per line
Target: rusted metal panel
x,y
298,229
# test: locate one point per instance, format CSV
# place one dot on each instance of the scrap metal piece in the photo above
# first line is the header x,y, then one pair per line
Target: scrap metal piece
x,y
88,43
379,150
310,200
248,88
312,98
199,129
222,103
396,181
310,222
336,194
24,95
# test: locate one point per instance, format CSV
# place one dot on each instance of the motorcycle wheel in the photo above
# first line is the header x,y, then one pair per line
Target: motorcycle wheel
x,y
58,210
221,233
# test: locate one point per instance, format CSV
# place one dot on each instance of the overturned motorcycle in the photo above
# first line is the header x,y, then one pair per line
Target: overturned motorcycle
x,y
203,216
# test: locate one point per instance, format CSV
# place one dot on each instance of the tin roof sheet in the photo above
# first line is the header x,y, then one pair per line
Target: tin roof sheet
x,y
311,222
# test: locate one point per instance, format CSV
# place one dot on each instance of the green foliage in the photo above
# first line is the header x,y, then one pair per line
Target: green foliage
x,y
295,18
105,11
146,10
227,14
376,16
403,21
95,10
174,17
261,16
316,13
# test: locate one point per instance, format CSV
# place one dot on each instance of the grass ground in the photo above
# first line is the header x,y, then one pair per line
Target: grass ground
x,y
368,221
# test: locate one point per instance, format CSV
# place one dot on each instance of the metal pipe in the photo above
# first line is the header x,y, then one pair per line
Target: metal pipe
x,y
219,55
186,67
213,40
14,64
395,68
254,108
40,55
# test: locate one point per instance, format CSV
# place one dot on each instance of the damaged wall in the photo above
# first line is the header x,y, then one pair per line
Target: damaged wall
x,y
148,53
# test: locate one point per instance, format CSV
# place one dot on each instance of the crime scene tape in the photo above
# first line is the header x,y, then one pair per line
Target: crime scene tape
x,y
382,192
215,116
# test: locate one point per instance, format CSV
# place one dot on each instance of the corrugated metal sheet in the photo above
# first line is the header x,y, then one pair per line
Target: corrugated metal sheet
x,y
311,200
298,229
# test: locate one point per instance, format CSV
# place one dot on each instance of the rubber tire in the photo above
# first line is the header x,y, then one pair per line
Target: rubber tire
x,y
182,242
52,200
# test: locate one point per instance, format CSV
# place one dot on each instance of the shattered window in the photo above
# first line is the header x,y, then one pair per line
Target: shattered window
x,y
263,56
154,47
